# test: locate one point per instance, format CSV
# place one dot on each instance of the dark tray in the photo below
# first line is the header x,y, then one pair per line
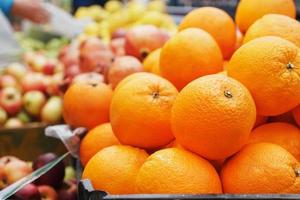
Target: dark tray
x,y
87,192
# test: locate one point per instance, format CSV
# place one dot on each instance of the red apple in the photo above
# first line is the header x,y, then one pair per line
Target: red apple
x,y
89,78
52,83
12,169
38,63
16,70
55,176
71,57
52,111
29,192
3,116
10,100
119,33
72,71
68,191
92,44
33,102
49,68
63,51
98,61
47,192
142,40
13,123
118,46
123,66
8,81
33,81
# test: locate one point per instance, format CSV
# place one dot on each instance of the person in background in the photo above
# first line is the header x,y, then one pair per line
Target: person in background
x,y
26,9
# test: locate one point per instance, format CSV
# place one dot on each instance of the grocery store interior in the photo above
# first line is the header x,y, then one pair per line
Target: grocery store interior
x,y
149,99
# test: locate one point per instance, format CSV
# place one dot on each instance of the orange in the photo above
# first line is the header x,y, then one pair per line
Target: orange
x,y
239,39
270,68
188,55
248,11
260,120
275,25
225,64
213,116
217,23
87,105
261,168
177,171
151,62
296,114
96,139
114,169
283,134
140,111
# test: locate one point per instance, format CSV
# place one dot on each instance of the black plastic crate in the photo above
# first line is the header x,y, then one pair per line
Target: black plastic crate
x,y
87,192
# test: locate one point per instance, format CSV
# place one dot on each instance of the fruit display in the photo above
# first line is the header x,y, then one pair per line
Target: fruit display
x,y
115,18
57,184
30,92
213,108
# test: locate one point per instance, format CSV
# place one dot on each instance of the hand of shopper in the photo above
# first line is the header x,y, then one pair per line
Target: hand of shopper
x,y
31,9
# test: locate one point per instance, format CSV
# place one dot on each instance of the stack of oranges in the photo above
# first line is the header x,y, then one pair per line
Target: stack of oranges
x,y
187,126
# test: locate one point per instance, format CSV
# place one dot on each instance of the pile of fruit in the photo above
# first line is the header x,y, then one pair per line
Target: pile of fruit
x,y
30,92
57,184
215,110
114,16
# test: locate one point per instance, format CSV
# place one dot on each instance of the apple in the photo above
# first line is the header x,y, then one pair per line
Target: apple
x,y
16,70
141,40
33,81
23,117
47,192
68,191
119,33
8,81
123,66
72,71
71,57
52,111
12,169
38,63
33,102
70,173
52,83
13,123
55,176
97,61
92,44
29,192
118,46
3,116
10,100
89,78
49,68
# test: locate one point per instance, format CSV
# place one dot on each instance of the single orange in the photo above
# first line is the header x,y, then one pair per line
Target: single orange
x,y
96,139
190,54
140,111
114,169
270,68
213,116
87,105
283,134
177,171
261,168
217,23
275,25
151,62
248,11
